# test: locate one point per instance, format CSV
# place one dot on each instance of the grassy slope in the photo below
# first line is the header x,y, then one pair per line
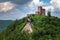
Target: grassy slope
x,y
45,28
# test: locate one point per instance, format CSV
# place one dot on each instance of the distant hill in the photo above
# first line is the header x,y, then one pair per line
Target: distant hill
x,y
44,28
4,24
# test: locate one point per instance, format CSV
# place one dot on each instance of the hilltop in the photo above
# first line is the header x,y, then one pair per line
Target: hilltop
x,y
44,28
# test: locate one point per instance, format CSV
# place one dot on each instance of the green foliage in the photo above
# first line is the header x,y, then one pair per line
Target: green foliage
x,y
44,28
49,14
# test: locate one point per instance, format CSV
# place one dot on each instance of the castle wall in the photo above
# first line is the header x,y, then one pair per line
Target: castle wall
x,y
40,11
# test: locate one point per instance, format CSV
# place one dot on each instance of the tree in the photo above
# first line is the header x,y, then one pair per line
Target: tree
x,y
49,14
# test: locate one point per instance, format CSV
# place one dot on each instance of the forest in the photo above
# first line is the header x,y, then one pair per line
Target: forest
x,y
44,28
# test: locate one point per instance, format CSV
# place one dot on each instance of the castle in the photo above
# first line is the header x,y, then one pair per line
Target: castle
x,y
40,11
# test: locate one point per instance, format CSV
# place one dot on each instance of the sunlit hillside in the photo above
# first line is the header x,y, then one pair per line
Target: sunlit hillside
x,y
44,28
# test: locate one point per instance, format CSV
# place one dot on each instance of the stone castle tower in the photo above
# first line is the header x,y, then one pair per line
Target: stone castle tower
x,y
40,11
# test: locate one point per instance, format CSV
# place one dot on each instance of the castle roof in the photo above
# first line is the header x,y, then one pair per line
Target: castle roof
x,y
43,9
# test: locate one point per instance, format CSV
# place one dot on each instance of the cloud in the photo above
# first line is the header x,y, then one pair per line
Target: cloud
x,y
35,1
55,3
54,7
49,8
38,2
6,6
20,2
34,4
14,9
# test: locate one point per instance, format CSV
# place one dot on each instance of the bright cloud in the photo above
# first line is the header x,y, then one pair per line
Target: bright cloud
x,y
52,5
30,7
37,2
55,3
6,6
34,4
49,8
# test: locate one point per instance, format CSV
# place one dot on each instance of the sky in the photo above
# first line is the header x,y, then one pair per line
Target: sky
x,y
17,9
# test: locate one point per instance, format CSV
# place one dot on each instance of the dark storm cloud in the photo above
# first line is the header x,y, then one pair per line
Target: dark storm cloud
x,y
17,1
